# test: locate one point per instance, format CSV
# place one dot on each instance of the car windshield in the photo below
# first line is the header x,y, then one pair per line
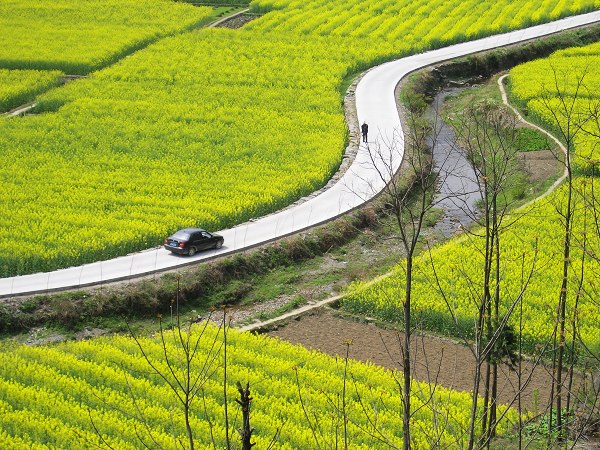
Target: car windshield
x,y
180,236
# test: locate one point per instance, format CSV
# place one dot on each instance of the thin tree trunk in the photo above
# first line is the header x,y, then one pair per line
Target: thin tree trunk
x,y
227,443
244,402
552,389
473,419
485,324
406,366
496,322
494,400
186,411
486,398
562,305
520,366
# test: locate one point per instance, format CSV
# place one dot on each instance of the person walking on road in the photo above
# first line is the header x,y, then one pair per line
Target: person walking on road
x,y
365,130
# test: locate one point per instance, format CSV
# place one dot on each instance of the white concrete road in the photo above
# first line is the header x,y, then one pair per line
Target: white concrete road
x,y
375,104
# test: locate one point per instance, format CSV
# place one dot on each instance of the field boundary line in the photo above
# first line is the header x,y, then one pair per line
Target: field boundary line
x,y
218,22
290,314
22,109
547,133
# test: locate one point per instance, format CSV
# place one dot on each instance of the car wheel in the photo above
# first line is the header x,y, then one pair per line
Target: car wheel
x,y
192,251
219,244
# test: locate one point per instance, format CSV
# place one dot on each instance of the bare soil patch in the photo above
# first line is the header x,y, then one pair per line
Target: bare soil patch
x,y
237,21
540,165
436,358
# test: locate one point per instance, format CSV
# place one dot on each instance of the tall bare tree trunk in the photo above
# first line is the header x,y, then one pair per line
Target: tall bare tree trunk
x,y
406,365
562,305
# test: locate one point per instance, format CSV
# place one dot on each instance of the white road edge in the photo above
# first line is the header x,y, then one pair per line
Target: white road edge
x,y
375,104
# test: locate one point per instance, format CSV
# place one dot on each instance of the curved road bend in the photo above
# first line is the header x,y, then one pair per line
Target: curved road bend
x,y
375,104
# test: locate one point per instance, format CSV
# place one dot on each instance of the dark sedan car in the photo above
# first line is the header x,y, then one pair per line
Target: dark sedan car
x,y
191,240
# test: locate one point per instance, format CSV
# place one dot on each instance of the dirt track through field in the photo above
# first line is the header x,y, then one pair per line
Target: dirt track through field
x,y
450,363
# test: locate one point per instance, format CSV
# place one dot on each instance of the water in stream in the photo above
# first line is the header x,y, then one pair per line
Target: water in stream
x,y
458,190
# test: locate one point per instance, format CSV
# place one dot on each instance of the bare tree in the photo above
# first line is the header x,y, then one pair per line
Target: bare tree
x,y
487,132
408,198
191,356
560,103
187,367
583,404
339,426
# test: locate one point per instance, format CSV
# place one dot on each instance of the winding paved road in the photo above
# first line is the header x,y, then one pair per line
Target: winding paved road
x,y
375,104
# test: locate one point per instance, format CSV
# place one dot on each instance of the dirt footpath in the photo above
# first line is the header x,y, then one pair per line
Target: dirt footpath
x,y
449,362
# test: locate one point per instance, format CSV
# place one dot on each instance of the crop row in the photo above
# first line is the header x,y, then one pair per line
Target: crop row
x,y
448,281
207,128
80,36
20,86
421,24
50,395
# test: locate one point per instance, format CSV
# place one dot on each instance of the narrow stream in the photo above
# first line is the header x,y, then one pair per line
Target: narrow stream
x,y
458,190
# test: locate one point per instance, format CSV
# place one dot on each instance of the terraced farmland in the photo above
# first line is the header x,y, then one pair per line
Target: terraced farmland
x,y
79,36
211,128
539,229
573,72
206,128
420,25
50,396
